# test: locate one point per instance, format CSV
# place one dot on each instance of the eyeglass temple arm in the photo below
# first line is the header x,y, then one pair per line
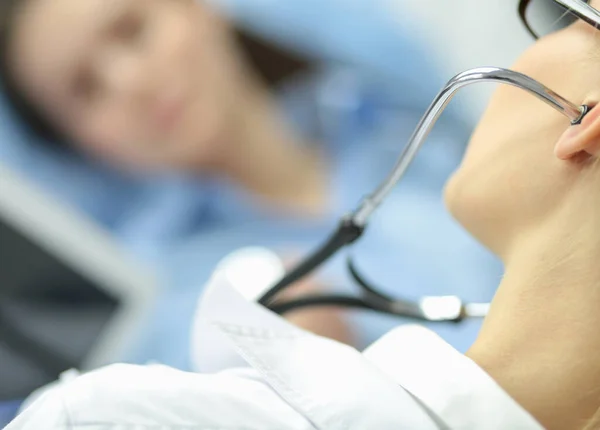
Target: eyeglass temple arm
x,y
352,226
483,74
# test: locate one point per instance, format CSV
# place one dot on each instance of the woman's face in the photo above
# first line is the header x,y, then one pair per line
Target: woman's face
x,y
142,83
511,178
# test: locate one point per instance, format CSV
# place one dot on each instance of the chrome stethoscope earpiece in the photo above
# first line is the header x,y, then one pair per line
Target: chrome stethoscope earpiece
x,y
353,225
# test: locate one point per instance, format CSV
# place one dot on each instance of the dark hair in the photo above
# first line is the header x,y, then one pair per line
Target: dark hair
x,y
272,64
36,122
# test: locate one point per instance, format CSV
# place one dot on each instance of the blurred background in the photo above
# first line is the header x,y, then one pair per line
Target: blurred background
x,y
99,265
466,34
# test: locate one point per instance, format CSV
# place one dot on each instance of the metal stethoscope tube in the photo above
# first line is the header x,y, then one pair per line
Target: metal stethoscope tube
x,y
483,74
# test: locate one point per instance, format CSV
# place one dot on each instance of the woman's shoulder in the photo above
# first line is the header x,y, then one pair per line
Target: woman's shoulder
x,y
316,384
293,380
124,396
155,396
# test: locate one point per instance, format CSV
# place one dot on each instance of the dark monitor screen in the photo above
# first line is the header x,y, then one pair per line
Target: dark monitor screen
x,y
50,315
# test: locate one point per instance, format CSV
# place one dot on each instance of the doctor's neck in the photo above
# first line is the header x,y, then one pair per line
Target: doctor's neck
x,y
540,341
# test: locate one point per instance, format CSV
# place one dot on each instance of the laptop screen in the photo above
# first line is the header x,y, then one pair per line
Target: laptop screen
x,y
50,316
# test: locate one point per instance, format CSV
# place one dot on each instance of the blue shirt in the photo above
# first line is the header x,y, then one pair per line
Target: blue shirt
x,y
8,411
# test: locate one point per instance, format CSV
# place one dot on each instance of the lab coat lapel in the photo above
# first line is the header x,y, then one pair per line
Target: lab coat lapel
x,y
332,385
451,386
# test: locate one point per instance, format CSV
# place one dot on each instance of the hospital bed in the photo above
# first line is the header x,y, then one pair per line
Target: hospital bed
x,y
68,296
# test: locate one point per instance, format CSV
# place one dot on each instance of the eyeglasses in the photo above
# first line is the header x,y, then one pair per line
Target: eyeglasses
x,y
542,17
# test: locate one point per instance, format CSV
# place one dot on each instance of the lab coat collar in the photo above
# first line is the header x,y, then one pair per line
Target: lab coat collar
x,y
449,384
451,390
330,384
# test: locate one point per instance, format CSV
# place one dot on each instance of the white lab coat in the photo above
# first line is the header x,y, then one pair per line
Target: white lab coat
x,y
410,379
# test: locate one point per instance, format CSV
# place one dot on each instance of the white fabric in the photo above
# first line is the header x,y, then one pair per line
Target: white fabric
x,y
294,380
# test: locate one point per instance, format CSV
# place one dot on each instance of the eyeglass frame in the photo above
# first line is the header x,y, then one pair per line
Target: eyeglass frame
x,y
581,9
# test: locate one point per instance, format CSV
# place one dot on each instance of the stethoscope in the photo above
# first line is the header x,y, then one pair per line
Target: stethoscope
x,y
353,225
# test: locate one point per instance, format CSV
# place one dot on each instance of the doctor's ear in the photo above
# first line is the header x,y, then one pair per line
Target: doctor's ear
x,y
582,138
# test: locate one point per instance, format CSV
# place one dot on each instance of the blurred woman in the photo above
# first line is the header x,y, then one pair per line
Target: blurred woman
x,y
196,148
